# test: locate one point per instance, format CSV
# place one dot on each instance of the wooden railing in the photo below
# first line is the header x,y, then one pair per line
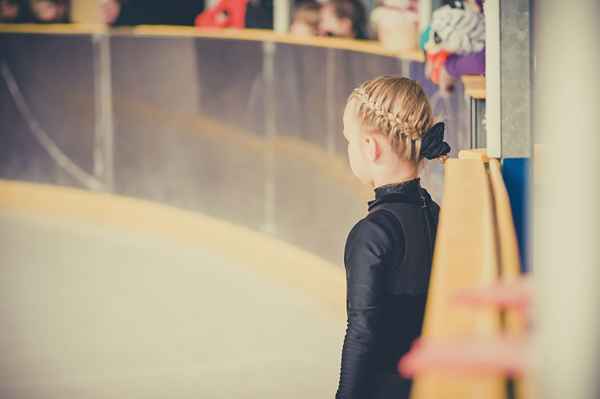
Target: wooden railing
x,y
510,263
476,246
256,35
474,86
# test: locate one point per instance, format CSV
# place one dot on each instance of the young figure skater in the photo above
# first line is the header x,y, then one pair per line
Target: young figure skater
x,y
390,130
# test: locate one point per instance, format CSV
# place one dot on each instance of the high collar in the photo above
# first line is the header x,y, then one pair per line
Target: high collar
x,y
409,191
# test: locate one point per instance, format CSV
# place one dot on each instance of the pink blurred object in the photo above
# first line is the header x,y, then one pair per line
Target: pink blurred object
x,y
515,295
503,355
467,356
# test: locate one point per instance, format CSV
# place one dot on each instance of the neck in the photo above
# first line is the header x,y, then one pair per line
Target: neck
x,y
394,178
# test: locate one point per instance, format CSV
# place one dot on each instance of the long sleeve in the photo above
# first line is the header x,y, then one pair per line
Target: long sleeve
x,y
366,250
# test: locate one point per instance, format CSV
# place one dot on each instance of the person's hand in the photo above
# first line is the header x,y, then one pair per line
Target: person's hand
x,y
467,356
515,295
473,356
446,81
428,69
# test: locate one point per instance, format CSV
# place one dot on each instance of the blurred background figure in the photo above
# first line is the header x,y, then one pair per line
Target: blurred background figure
x,y
455,42
150,12
259,14
111,11
50,11
224,14
10,10
343,18
396,24
305,21
237,14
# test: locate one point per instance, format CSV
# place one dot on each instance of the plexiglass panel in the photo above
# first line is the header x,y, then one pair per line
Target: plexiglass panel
x,y
246,131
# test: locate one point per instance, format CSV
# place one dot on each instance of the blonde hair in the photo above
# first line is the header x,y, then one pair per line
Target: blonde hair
x,y
397,108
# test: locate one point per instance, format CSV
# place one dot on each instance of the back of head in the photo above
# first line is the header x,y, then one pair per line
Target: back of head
x,y
396,108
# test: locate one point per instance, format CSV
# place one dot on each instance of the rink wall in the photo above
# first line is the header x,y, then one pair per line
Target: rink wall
x,y
240,125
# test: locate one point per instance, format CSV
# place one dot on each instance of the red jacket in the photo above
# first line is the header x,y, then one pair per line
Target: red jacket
x,y
224,14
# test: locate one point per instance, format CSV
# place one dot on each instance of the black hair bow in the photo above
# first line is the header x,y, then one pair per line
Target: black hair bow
x,y
432,143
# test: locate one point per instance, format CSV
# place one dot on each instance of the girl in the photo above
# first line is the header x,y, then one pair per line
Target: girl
x,y
390,129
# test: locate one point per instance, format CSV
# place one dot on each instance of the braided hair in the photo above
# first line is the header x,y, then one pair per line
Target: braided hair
x,y
397,108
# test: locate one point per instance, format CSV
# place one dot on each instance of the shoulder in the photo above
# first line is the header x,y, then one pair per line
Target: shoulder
x,y
370,234
434,205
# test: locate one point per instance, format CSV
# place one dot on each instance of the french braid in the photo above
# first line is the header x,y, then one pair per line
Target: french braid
x,y
397,108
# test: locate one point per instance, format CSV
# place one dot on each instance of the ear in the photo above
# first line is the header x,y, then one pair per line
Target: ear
x,y
372,147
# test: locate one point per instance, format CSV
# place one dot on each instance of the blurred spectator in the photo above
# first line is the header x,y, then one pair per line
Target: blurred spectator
x,y
151,12
259,14
224,14
256,14
306,18
396,24
174,12
111,11
472,63
343,18
455,42
50,11
10,10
